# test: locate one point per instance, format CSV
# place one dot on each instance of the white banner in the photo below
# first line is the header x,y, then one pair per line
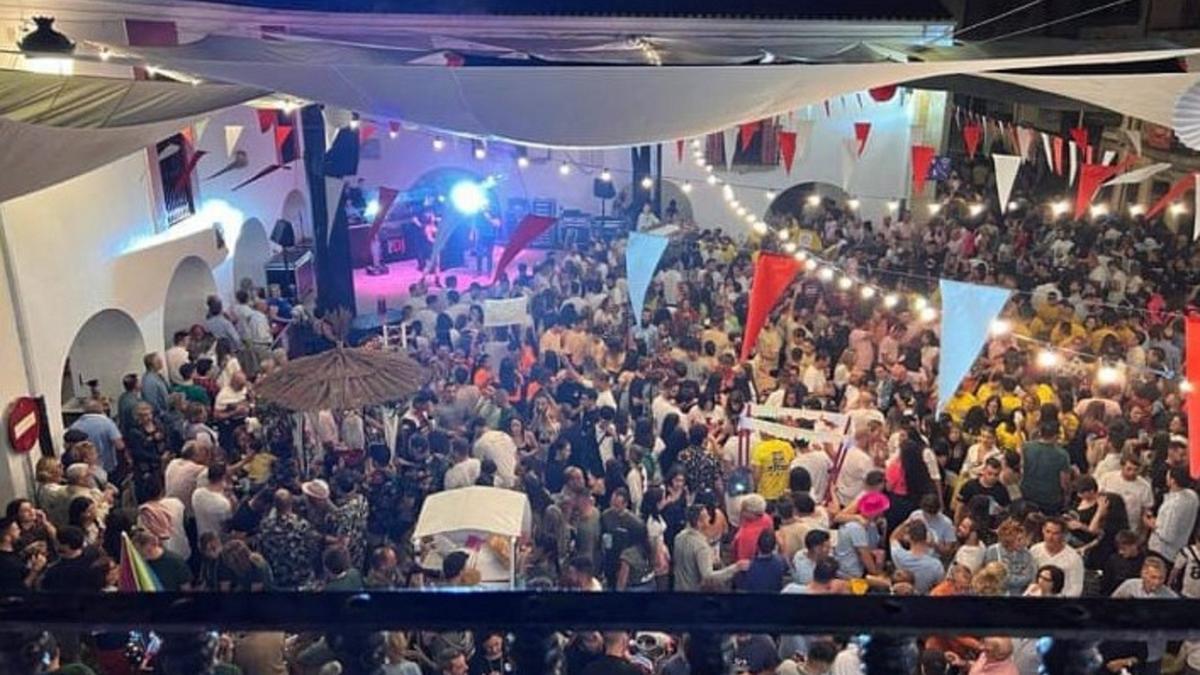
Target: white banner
x,y
505,312
822,419
1139,175
1006,175
790,433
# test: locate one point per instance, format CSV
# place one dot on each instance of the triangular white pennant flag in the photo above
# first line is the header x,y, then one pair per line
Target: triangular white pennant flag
x,y
333,199
233,132
804,129
730,137
1139,175
1135,139
1006,174
1109,156
1074,163
1196,210
199,128
1049,150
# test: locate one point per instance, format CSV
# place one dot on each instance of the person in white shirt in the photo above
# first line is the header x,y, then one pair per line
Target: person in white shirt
x,y
465,470
184,474
211,505
1172,528
856,464
500,448
177,355
1053,550
664,404
646,220
1134,490
813,458
814,379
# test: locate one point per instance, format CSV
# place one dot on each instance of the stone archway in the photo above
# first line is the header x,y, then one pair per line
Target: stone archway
x,y
296,211
671,191
794,201
251,253
432,190
107,347
190,286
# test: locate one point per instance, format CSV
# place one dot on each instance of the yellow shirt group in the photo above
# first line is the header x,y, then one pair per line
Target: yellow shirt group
x,y
773,458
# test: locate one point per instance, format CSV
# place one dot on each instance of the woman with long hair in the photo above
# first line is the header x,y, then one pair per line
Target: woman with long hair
x,y
675,441
82,513
908,479
1110,518
635,567
656,529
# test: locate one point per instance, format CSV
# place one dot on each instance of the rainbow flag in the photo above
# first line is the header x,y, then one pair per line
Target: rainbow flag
x,y
136,575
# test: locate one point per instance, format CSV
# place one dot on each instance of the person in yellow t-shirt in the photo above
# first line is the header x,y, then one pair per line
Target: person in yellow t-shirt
x,y
770,461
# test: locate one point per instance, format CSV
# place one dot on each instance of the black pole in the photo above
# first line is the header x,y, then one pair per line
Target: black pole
x,y
331,241
658,181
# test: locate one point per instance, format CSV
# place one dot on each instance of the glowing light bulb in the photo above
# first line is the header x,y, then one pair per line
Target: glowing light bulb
x,y
1178,208
1185,387
825,274
438,144
814,200
354,121
891,300
686,187
1013,206
522,162
1060,207
708,168
727,193
760,227
1048,358
105,54
711,180
975,210
393,134
769,195
928,314
800,255
1099,210
893,205
867,292
853,204
919,303
564,168
751,218
1001,327
790,247
700,162
784,235
606,175
735,205
480,152
845,283
647,183
934,209
695,142
1136,210
741,211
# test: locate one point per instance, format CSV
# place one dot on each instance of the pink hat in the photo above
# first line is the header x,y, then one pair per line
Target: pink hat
x,y
873,504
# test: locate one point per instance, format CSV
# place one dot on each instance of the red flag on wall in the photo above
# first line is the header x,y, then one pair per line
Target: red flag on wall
x,y
1192,371
773,273
386,196
189,168
1177,190
266,119
746,133
1090,178
922,158
365,131
861,131
282,133
1080,136
787,148
972,133
531,227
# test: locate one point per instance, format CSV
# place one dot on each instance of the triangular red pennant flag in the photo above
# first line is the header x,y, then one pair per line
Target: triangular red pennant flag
x,y
1080,136
1058,155
269,170
365,131
787,148
861,131
773,273
266,119
189,168
971,133
386,197
1090,178
679,151
922,158
746,133
1177,190
186,132
282,133
531,227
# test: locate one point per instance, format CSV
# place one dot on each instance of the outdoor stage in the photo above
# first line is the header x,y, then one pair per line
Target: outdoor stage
x,y
393,286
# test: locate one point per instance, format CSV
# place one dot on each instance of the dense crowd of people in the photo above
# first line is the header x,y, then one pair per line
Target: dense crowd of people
x,y
1043,477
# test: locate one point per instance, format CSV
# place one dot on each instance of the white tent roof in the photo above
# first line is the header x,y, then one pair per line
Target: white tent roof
x,y
476,510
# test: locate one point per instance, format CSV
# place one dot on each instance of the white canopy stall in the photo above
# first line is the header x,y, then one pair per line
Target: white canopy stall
x,y
467,518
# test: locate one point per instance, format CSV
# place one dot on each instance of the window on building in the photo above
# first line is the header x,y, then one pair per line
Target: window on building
x,y
176,187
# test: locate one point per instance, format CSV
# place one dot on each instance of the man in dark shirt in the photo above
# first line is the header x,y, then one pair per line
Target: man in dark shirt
x,y
16,574
986,484
171,569
615,659
1124,563
75,559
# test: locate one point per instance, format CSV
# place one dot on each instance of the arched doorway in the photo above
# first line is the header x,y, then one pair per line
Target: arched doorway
x,y
296,211
251,253
107,347
795,202
432,191
184,306
672,192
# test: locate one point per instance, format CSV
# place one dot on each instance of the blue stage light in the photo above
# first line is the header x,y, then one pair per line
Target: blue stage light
x,y
468,197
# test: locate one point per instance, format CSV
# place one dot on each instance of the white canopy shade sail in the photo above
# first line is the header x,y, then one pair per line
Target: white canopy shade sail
x,y
564,106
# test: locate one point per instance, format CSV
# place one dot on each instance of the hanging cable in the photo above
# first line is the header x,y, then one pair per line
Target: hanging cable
x,y
1055,22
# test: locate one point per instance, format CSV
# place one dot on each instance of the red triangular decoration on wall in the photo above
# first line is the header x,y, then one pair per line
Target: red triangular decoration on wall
x,y
282,133
266,119
972,134
365,131
787,148
861,131
746,133
922,158
679,151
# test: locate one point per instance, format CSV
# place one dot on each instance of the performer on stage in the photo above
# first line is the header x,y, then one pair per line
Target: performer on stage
x,y
487,225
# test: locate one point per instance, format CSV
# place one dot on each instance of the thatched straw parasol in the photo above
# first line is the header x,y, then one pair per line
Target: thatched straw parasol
x,y
342,378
